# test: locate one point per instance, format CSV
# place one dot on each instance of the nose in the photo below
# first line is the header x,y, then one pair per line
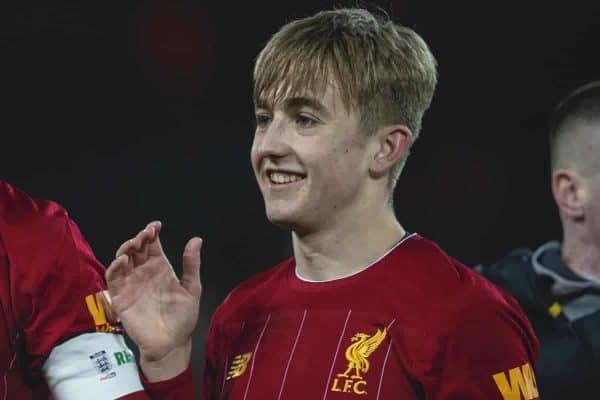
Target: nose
x,y
272,142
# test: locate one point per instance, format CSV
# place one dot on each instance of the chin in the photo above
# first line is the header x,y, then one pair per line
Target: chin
x,y
284,218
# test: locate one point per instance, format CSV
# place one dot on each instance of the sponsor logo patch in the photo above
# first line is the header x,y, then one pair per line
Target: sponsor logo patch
x,y
103,365
518,384
98,305
124,357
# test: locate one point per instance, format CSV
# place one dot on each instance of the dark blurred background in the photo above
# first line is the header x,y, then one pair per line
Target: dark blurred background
x,y
130,111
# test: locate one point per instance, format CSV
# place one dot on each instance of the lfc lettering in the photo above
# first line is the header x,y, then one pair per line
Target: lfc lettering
x,y
348,385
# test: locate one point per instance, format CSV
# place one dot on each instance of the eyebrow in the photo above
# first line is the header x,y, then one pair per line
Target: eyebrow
x,y
294,103
262,103
299,102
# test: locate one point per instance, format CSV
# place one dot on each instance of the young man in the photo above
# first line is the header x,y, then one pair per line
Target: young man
x,y
558,285
363,309
56,340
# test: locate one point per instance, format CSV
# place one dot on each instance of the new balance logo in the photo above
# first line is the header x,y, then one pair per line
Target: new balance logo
x,y
239,365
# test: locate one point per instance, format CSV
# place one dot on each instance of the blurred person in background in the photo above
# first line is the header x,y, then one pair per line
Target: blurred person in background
x,y
558,284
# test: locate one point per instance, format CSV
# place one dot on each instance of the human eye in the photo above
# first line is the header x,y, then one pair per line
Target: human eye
x,y
262,120
306,121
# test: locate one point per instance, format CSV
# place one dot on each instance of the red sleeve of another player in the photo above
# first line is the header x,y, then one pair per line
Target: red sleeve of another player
x,y
54,276
490,354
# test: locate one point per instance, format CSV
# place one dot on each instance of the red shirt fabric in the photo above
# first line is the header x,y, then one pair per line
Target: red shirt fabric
x,y
49,278
415,324
47,269
180,387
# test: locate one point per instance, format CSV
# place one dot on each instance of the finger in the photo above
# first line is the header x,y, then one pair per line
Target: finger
x,y
140,245
118,269
156,225
105,299
154,245
190,278
144,236
151,231
127,246
124,248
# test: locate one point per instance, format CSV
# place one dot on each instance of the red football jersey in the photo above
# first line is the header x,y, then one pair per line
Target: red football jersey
x,y
415,324
49,278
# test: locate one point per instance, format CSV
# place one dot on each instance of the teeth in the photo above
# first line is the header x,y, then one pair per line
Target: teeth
x,y
280,178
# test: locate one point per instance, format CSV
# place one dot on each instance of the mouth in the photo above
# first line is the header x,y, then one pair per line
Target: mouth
x,y
282,179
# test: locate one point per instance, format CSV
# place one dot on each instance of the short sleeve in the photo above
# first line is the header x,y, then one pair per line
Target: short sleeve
x,y
56,283
489,354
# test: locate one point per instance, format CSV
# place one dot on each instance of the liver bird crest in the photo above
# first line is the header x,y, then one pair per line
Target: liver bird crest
x,y
358,352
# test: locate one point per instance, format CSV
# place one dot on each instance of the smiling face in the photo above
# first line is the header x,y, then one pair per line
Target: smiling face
x,y
326,89
310,160
382,71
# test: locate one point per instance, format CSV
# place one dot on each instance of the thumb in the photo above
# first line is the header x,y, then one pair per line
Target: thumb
x,y
190,278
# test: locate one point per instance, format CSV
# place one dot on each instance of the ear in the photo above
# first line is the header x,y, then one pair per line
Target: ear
x,y
392,145
570,192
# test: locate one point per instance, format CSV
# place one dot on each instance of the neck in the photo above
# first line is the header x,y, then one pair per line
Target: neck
x,y
581,254
348,247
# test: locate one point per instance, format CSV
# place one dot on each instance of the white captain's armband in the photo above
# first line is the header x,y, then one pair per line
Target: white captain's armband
x,y
92,366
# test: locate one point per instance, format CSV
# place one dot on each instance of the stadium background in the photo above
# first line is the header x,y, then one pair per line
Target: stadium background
x,y
130,111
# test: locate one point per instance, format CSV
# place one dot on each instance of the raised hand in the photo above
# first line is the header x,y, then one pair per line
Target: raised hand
x,y
157,310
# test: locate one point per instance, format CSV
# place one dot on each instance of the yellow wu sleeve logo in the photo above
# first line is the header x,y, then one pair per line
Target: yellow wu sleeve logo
x,y
239,365
105,319
361,347
520,383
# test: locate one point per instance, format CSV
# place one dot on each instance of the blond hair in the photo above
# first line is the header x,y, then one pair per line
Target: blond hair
x,y
383,70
